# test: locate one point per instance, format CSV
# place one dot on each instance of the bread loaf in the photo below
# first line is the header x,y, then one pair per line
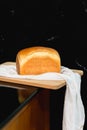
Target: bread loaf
x,y
37,60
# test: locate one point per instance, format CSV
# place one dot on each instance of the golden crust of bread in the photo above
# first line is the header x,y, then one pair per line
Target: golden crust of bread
x,y
37,60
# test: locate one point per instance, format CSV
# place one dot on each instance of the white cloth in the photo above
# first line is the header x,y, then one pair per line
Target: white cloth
x,y
74,113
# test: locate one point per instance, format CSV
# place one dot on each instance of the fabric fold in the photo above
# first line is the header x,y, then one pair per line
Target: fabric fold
x,y
74,113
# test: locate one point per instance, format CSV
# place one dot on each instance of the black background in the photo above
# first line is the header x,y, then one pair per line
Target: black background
x,y
58,24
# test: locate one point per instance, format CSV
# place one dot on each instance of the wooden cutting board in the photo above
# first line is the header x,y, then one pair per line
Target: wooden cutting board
x,y
26,83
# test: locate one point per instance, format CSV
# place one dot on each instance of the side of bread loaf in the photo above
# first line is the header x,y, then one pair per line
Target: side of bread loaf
x,y
37,60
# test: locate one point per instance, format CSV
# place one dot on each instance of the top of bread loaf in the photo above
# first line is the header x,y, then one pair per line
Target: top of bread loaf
x,y
38,52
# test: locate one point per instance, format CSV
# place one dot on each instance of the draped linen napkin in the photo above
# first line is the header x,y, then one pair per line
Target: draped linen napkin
x,y
73,112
